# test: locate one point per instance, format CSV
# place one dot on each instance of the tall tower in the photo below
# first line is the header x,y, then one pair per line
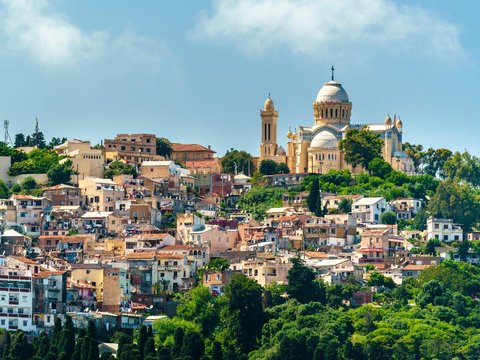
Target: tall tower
x,y
268,145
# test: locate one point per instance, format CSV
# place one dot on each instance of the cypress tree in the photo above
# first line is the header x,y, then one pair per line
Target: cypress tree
x,y
314,196
217,353
92,350
142,339
149,349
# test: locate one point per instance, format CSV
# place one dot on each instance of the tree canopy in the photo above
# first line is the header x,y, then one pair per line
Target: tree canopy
x,y
360,147
238,160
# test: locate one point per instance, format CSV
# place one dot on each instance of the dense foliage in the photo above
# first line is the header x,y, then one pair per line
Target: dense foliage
x,y
238,161
119,168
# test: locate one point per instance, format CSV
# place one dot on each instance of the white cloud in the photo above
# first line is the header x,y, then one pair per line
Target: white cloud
x,y
35,28
313,27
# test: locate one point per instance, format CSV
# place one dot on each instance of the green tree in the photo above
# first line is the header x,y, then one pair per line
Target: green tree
x,y
431,245
20,140
243,317
60,173
217,353
282,168
314,200
199,306
463,167
361,146
345,206
164,147
434,161
142,340
414,152
20,348
302,285
455,201
119,168
379,167
268,167
388,218
377,279
241,161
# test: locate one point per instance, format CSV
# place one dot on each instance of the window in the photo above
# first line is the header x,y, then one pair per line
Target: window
x,y
25,322
445,227
445,237
437,226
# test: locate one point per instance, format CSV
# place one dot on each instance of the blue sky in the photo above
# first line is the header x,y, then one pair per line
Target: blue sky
x,y
199,71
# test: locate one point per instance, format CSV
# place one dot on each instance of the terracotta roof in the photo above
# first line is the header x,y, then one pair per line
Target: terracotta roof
x,y
180,247
176,147
26,197
44,274
75,238
201,163
24,260
59,186
316,254
170,256
141,256
151,236
414,267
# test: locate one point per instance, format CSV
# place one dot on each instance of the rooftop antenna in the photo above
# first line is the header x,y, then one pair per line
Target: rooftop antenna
x,y
333,71
7,138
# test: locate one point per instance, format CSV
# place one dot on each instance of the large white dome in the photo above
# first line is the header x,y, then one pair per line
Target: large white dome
x,y
325,139
332,91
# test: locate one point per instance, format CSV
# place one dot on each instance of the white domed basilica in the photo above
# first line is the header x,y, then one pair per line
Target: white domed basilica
x,y
315,149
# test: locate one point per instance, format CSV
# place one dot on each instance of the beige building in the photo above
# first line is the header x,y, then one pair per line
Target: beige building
x,y
101,194
133,148
191,152
315,149
85,160
265,270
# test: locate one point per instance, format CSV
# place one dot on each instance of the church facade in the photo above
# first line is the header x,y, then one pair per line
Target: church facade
x,y
315,149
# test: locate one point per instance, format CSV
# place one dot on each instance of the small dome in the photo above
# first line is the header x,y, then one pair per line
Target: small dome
x,y
332,91
388,120
399,123
281,151
325,139
289,134
268,106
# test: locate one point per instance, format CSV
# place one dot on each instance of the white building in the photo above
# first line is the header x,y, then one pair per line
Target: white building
x,y
29,210
370,209
16,300
406,208
444,230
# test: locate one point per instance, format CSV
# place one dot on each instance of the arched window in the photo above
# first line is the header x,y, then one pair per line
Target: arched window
x,y
343,113
331,113
322,113
336,113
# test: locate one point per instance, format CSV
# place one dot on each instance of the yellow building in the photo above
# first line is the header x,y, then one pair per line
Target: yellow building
x,y
315,149
85,160
101,194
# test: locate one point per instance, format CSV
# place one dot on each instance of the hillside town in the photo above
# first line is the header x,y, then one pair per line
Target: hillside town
x,y
123,236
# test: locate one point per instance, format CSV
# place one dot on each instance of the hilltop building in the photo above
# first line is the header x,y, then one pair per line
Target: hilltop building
x,y
315,149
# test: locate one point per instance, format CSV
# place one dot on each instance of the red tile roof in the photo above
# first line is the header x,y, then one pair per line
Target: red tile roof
x,y
176,147
24,260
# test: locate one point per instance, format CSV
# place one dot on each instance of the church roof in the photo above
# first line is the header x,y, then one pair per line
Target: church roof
x,y
332,91
325,139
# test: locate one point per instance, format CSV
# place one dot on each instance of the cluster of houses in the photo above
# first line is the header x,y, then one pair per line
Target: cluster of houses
x,y
114,250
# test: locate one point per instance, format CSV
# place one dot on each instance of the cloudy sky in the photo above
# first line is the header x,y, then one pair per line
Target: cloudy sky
x,y
199,71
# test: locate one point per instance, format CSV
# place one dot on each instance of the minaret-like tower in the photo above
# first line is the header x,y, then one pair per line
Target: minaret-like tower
x,y
268,145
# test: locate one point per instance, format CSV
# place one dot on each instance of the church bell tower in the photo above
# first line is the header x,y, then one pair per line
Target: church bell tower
x,y
268,145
